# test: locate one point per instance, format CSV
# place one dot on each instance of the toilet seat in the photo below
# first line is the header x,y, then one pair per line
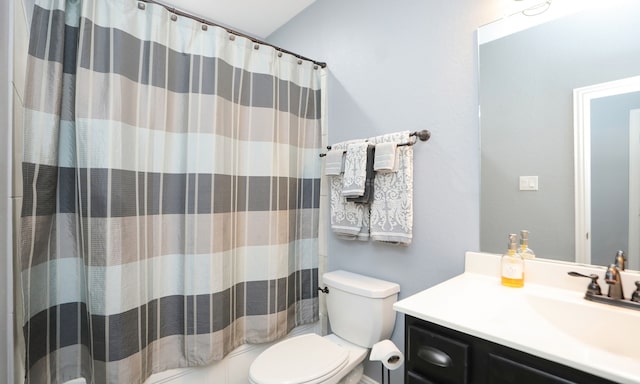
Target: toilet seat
x,y
305,359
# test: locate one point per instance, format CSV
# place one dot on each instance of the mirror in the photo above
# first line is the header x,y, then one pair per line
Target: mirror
x,y
527,83
607,168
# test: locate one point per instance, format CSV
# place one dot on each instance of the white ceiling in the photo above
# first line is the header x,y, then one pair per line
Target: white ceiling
x,y
258,18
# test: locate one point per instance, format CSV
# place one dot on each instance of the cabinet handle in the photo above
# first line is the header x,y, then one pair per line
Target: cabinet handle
x,y
435,356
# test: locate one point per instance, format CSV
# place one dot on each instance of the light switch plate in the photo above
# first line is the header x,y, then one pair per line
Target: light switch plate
x,y
528,183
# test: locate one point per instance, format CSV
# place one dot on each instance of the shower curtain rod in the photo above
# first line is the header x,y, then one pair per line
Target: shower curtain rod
x,y
231,31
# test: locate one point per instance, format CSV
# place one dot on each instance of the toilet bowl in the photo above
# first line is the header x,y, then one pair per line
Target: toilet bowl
x,y
306,359
360,311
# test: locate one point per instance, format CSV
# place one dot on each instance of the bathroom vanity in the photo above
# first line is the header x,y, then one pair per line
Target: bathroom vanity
x,y
437,354
471,329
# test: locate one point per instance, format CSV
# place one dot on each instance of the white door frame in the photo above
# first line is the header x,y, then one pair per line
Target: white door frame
x,y
582,155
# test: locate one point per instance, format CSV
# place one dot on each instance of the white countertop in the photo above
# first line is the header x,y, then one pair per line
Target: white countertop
x,y
477,304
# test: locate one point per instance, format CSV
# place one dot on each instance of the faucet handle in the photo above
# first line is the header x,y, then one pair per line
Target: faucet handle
x,y
636,294
593,288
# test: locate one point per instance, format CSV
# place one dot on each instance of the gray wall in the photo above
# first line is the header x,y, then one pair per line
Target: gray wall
x,y
527,83
610,175
397,65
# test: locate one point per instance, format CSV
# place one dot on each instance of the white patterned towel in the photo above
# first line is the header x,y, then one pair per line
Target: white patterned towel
x,y
355,169
349,220
391,218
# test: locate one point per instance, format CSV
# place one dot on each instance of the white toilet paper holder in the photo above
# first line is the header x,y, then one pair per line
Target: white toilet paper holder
x,y
389,356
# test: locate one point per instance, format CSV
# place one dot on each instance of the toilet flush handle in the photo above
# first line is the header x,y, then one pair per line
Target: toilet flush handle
x,y
324,290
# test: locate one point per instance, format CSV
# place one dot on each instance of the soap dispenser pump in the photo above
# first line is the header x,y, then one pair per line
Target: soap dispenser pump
x,y
524,250
512,265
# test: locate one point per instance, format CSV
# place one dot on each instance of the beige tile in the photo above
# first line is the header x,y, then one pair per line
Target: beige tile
x,y
324,186
20,48
323,224
17,147
324,323
19,347
322,268
16,204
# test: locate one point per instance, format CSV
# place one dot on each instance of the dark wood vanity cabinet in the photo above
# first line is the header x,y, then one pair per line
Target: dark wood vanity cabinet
x,y
439,355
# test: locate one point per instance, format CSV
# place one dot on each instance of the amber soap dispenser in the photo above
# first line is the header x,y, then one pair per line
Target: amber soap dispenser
x,y
512,265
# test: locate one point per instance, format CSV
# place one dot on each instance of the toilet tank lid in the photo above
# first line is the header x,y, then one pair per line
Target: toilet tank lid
x,y
360,285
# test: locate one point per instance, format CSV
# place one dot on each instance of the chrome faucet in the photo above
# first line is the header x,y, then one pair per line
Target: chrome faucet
x,y
621,261
613,278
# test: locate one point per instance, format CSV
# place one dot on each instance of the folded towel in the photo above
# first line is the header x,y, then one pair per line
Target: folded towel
x,y
355,169
334,162
349,221
367,196
385,159
392,206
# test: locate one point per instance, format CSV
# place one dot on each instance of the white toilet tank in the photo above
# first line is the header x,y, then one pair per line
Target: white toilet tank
x,y
360,308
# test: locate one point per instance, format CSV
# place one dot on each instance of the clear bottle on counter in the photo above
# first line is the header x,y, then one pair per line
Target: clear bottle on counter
x,y
524,250
512,265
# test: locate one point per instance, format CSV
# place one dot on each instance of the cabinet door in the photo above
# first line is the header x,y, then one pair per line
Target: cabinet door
x,y
413,378
441,355
437,357
505,371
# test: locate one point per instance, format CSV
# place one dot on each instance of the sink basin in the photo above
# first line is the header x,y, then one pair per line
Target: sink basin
x,y
601,326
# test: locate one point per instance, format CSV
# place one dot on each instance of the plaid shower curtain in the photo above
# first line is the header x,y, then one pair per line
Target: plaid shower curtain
x,y
171,190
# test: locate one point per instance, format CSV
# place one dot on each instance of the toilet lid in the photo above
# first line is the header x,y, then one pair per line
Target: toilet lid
x,y
300,359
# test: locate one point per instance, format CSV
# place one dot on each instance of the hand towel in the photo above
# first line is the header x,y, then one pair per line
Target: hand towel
x,y
385,158
367,196
349,221
334,162
391,219
355,169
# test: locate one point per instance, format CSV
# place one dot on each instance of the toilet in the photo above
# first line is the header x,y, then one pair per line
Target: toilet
x,y
360,310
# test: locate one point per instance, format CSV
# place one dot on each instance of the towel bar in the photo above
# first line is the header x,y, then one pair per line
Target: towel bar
x,y
423,135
